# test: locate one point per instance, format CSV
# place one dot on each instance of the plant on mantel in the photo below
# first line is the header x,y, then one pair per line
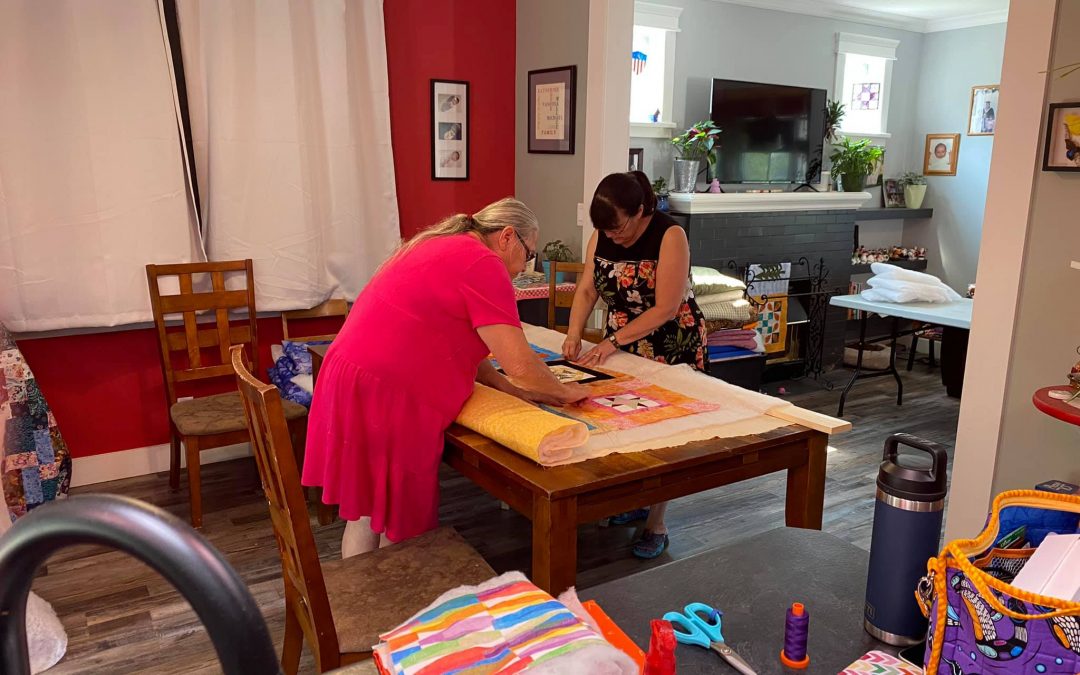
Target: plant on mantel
x,y
854,160
834,115
699,142
914,185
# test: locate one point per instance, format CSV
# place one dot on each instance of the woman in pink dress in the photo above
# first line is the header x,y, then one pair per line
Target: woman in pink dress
x,y
404,364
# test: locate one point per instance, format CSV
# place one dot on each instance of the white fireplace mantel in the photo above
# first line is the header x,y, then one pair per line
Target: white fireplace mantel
x,y
743,202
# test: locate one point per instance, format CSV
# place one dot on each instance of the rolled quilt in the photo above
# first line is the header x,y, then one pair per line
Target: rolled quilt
x,y
527,430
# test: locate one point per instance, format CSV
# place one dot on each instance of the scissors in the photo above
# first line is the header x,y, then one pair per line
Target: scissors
x,y
699,624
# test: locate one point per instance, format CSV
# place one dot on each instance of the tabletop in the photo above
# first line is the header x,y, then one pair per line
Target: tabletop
x,y
1057,408
753,582
954,314
541,290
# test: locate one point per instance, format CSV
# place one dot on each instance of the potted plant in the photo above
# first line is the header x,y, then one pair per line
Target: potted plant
x,y
695,144
914,185
660,189
556,251
834,114
854,161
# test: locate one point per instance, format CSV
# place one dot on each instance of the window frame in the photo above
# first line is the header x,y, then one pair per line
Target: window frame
x,y
666,18
865,45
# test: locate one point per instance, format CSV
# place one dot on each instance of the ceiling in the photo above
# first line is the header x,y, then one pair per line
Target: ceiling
x,y
924,16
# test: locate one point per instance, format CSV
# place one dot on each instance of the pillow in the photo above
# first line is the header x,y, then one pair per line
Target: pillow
x,y
901,274
911,293
726,296
925,292
708,281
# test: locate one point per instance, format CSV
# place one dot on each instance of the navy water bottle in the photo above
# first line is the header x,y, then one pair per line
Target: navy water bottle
x,y
907,532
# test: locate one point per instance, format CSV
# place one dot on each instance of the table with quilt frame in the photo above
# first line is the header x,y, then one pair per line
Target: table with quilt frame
x,y
558,499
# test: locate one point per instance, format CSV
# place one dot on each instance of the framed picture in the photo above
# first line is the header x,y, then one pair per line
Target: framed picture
x,y
1062,138
637,159
892,194
449,130
983,112
942,151
552,101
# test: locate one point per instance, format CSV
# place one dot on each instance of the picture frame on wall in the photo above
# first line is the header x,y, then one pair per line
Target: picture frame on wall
x,y
1062,151
552,107
941,154
637,159
982,115
449,130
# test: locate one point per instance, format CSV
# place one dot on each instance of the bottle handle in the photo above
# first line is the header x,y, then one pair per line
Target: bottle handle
x,y
935,450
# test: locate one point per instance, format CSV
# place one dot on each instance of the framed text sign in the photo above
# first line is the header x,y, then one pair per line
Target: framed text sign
x,y
552,101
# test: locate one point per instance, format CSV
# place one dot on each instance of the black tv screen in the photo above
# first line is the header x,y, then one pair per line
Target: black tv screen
x,y
770,133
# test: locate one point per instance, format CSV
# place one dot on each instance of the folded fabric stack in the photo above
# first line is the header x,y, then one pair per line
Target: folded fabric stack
x,y
720,297
895,284
743,337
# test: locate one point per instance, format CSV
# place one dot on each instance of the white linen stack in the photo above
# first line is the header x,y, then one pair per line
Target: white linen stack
x,y
895,284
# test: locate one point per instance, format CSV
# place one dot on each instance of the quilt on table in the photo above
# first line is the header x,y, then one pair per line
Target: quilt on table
x,y
630,403
545,354
36,462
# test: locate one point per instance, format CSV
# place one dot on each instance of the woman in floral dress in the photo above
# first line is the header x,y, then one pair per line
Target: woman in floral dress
x,y
639,262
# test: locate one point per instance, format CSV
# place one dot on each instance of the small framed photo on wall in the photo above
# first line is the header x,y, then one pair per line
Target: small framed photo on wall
x,y
1062,151
942,151
449,130
637,159
552,101
983,113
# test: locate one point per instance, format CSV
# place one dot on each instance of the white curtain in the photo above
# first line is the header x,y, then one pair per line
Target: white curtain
x,y
291,127
92,183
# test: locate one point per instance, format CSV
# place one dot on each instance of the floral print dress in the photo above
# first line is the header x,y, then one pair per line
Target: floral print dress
x,y
625,278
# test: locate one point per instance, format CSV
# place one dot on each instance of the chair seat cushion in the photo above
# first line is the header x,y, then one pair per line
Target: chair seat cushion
x,y
377,591
219,414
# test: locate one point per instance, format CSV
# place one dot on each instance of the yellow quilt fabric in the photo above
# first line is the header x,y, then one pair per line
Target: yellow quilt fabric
x,y
524,428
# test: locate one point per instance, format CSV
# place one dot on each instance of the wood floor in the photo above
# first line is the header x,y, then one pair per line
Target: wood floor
x,y
123,618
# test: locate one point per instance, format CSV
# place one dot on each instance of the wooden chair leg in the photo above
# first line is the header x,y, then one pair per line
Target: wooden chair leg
x,y
293,644
191,446
324,512
174,462
933,361
911,352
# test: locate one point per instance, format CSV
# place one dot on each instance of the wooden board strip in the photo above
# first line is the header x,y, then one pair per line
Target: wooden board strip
x,y
811,419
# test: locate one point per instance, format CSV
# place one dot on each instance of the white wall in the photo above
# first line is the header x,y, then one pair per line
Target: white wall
x,y
720,40
552,33
952,63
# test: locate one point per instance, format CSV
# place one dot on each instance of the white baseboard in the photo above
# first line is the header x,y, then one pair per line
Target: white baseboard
x,y
142,461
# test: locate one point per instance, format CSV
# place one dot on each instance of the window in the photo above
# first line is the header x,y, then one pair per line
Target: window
x,y
652,77
863,81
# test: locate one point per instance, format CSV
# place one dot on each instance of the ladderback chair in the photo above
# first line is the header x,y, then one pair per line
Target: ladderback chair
x,y
341,606
332,308
197,354
558,299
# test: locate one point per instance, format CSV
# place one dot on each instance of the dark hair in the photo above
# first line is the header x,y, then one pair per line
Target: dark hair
x,y
625,191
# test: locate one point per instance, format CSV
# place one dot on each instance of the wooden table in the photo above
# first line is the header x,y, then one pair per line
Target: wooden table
x,y
1055,407
558,499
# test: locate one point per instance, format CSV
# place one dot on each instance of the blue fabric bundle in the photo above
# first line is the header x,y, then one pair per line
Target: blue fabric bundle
x,y
295,360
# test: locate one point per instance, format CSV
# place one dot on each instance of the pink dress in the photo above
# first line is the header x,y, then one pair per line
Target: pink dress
x,y
396,377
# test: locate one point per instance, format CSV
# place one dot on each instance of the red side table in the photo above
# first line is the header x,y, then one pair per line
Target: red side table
x,y
1057,408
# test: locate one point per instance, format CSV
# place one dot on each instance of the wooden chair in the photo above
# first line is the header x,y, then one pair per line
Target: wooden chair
x,y
565,299
331,308
341,606
216,420
929,333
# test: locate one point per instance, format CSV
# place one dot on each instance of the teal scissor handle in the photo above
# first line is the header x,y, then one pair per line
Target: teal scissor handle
x,y
698,624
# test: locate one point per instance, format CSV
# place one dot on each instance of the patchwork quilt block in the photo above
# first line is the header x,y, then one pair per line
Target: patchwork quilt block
x,y
619,405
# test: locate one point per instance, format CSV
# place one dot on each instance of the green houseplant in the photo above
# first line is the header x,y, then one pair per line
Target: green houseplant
x,y
697,143
556,251
660,189
834,115
914,185
854,161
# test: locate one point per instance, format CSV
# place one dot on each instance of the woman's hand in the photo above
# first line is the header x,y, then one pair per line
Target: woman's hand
x,y
598,354
569,393
571,348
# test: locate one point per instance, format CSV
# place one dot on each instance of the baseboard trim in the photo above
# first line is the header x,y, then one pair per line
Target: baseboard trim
x,y
141,462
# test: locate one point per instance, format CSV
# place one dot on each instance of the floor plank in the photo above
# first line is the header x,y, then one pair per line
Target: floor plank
x,y
122,618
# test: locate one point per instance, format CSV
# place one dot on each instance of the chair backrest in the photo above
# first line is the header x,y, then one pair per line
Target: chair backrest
x,y
194,300
305,589
561,299
334,307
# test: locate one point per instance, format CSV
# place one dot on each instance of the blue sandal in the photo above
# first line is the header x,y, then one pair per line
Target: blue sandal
x,y
650,545
629,517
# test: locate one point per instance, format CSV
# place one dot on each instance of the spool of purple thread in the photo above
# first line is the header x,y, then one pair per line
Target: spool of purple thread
x,y
796,632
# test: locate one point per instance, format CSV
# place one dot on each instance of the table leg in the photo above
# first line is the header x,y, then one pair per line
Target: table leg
x,y
858,362
892,362
554,546
806,486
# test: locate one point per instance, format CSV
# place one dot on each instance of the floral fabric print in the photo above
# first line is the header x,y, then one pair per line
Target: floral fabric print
x,y
628,288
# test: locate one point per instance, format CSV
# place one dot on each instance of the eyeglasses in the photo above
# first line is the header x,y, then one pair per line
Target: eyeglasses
x,y
530,255
622,228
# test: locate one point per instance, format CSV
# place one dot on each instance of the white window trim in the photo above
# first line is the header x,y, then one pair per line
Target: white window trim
x,y
665,18
866,45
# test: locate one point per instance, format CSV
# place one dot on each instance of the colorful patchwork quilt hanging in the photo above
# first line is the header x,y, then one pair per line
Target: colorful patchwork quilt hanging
x,y
36,462
772,324
622,404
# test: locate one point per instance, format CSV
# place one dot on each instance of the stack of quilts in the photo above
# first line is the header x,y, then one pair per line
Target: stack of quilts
x,y
894,284
727,315
506,625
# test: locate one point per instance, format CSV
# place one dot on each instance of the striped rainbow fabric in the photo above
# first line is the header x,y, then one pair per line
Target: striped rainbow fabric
x,y
504,626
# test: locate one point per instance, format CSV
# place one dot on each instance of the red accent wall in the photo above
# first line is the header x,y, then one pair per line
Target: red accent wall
x,y
470,40
106,389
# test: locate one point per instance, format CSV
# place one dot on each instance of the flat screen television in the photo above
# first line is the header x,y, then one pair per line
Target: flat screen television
x,y
771,133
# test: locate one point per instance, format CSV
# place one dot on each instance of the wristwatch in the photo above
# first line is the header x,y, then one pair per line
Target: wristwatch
x,y
614,341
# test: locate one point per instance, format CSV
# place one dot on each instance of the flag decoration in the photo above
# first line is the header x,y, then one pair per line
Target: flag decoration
x,y
638,60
